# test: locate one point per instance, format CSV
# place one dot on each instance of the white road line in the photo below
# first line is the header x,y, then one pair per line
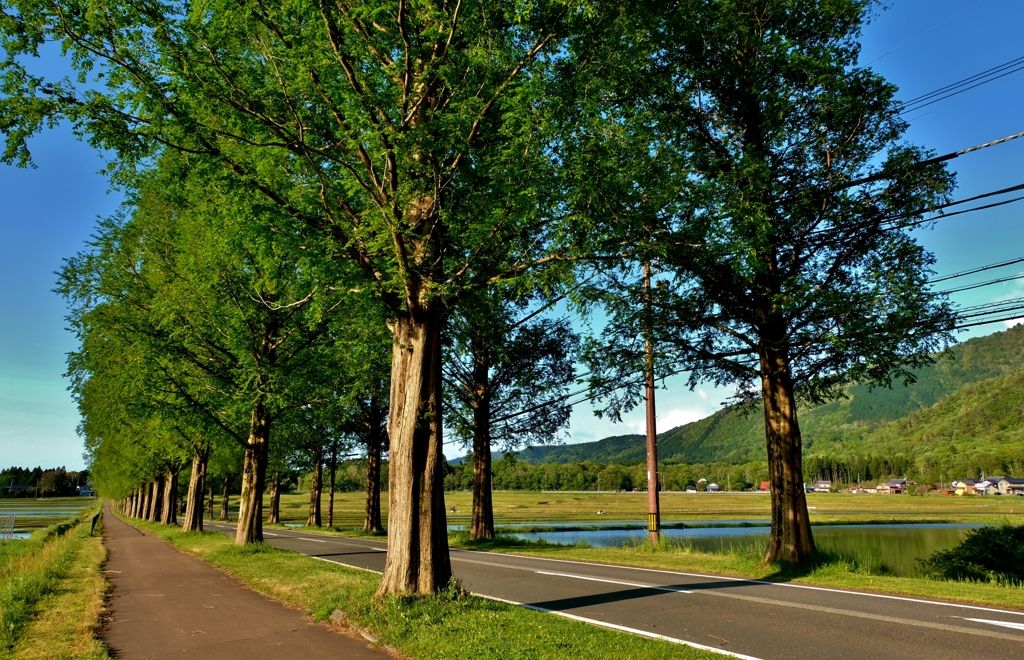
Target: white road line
x,y
628,584
314,540
1005,624
269,534
826,610
754,581
615,626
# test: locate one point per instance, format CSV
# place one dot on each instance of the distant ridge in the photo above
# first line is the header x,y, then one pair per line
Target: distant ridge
x,y
866,419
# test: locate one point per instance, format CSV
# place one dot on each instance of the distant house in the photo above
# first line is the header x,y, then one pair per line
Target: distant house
x,y
14,489
766,486
690,488
892,487
712,488
1011,486
823,487
85,491
964,487
987,486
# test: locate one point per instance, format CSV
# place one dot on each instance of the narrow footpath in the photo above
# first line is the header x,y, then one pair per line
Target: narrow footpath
x,y
166,603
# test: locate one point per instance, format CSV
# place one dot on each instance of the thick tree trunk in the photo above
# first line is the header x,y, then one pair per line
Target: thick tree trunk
x,y
133,503
196,489
790,538
225,498
169,510
372,519
275,499
146,492
417,559
316,483
482,524
157,498
330,485
254,477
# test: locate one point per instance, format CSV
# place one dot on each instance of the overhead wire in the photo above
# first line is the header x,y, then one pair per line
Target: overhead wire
x,y
978,80
980,269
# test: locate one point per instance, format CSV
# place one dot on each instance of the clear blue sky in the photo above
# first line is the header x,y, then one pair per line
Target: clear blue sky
x,y
48,213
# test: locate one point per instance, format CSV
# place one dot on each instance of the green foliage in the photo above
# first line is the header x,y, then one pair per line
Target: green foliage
x,y
987,554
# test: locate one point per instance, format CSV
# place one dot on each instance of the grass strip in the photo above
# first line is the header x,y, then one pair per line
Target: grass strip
x,y
448,625
67,618
33,575
830,570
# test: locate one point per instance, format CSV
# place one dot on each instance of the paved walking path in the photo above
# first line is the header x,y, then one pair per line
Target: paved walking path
x,y
166,603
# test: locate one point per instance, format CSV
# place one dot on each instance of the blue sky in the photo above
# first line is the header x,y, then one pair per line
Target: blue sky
x,y
48,213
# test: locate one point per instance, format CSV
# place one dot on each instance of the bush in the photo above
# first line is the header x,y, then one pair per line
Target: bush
x,y
986,554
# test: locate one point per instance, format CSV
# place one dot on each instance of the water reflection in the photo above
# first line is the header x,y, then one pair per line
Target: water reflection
x,y
897,547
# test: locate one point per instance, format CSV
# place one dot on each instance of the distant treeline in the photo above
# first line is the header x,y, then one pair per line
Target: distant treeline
x,y
37,482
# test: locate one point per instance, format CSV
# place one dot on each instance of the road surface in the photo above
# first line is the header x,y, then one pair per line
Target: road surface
x,y
741,617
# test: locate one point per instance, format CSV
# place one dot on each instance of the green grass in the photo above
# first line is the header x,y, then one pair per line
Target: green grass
x,y
450,625
540,508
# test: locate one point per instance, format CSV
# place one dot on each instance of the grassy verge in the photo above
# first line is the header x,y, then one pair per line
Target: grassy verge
x,y
67,618
53,575
830,570
450,625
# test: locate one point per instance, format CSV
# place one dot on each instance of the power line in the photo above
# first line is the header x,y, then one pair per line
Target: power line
x,y
939,95
977,270
964,81
971,325
981,284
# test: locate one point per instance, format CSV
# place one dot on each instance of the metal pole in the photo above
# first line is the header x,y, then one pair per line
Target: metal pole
x,y
653,507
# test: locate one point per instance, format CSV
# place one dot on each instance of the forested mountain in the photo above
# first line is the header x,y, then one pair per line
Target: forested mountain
x,y
969,402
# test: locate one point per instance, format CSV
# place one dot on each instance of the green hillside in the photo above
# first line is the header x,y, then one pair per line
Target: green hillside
x,y
902,419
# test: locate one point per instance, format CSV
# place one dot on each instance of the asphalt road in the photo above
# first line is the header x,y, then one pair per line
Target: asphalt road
x,y
740,617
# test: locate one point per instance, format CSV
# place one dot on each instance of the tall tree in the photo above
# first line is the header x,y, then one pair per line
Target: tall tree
x,y
409,134
508,373
782,221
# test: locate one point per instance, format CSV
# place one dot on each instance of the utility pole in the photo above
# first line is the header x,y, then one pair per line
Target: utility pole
x,y
653,507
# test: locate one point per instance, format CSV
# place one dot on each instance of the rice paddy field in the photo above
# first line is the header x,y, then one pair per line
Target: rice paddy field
x,y
32,514
545,508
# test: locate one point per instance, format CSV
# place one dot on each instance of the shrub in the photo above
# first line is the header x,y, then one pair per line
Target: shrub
x,y
986,554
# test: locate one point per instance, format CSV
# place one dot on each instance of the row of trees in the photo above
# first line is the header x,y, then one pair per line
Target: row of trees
x,y
36,482
310,182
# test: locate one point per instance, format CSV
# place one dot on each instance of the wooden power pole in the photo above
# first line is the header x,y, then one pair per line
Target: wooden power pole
x,y
653,505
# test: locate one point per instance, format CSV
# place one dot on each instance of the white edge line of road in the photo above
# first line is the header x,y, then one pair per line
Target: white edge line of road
x,y
627,584
755,581
593,622
615,626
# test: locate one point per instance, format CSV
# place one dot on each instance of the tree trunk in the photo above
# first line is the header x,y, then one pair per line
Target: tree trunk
x,y
254,476
169,510
196,489
417,559
330,487
144,511
133,503
315,487
275,499
791,538
482,525
225,498
158,493
372,519
210,503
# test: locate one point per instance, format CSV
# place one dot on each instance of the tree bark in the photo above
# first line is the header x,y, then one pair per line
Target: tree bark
x,y
169,510
225,498
417,559
133,503
315,487
482,524
790,538
254,477
196,489
372,518
146,491
157,497
210,502
275,499
330,487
